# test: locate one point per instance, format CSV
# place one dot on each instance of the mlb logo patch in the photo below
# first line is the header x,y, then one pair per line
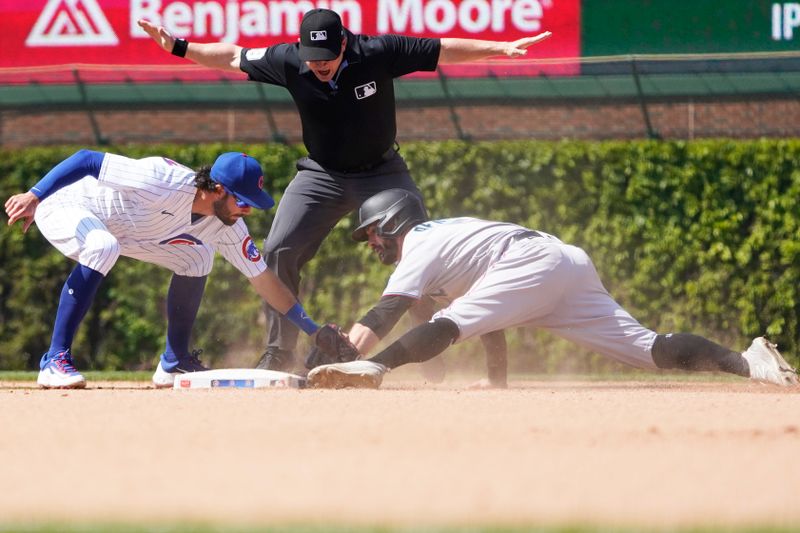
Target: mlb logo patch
x,y
319,35
250,250
366,90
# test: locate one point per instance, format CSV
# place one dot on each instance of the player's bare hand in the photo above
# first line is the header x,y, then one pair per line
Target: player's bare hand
x,y
520,46
22,207
158,33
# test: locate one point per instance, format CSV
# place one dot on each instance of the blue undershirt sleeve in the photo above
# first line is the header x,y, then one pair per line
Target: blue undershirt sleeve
x,y
297,315
79,165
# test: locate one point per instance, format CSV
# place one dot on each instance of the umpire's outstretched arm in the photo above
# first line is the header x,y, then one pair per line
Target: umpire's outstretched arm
x,y
220,56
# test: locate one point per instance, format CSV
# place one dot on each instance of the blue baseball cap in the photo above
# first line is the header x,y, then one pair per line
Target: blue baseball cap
x,y
241,175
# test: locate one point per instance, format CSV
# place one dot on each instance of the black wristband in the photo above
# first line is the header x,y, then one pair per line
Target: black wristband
x,y
180,47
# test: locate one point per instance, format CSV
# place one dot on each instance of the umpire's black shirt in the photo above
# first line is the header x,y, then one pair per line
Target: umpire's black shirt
x,y
348,123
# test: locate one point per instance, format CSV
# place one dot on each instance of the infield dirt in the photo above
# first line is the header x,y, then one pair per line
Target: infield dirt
x,y
630,454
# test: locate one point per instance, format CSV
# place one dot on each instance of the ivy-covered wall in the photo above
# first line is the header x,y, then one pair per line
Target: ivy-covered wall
x,y
689,236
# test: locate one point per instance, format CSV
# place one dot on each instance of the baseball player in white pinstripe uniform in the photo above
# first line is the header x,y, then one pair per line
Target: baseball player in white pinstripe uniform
x,y
495,275
94,207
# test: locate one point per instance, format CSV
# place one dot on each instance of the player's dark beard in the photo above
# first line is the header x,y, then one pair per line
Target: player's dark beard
x,y
223,212
388,252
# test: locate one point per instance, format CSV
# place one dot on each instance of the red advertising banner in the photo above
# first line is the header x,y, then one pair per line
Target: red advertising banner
x,y
47,40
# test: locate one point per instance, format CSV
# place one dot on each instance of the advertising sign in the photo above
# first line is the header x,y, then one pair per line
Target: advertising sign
x,y
102,39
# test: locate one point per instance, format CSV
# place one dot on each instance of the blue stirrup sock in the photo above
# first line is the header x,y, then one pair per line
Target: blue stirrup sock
x,y
77,296
183,302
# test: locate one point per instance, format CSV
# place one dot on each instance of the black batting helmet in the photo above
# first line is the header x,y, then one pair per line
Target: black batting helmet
x,y
394,210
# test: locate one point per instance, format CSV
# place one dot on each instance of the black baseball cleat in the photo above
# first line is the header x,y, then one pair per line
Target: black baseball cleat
x,y
191,363
277,359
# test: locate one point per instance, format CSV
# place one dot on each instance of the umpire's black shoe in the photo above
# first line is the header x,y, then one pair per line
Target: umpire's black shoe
x,y
277,359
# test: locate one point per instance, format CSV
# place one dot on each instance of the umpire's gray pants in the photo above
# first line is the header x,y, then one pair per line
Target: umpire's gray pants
x,y
315,200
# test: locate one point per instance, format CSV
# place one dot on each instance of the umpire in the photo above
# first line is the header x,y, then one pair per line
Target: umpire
x,y
343,87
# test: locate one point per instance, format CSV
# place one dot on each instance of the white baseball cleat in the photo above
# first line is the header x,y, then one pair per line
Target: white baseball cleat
x,y
166,378
356,374
163,379
768,365
59,373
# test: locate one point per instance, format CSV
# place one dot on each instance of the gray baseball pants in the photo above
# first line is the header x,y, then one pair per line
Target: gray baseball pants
x,y
315,200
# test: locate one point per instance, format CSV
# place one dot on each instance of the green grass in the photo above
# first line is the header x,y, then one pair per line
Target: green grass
x,y
90,375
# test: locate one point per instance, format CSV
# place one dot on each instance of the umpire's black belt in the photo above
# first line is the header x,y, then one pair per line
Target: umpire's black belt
x,y
306,163
386,156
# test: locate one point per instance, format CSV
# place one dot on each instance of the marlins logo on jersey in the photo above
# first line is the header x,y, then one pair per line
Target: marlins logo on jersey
x,y
250,250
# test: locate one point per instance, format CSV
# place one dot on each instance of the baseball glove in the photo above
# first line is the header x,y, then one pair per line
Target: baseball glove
x,y
332,346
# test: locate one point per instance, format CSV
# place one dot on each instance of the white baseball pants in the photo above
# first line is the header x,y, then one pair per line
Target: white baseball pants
x,y
542,282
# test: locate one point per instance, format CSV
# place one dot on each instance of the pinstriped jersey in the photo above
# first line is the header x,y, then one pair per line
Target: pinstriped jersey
x,y
148,201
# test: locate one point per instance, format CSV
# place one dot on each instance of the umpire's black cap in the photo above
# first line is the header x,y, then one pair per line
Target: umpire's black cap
x,y
321,35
